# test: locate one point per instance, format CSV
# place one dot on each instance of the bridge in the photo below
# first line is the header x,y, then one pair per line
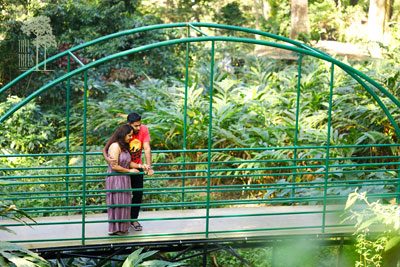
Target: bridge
x,y
304,194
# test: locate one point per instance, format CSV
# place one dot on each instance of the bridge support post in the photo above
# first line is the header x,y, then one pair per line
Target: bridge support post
x,y
340,254
205,252
273,255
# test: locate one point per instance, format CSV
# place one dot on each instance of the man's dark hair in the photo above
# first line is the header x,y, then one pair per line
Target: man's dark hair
x,y
133,117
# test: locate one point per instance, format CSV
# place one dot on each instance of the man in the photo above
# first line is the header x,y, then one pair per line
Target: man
x,y
140,141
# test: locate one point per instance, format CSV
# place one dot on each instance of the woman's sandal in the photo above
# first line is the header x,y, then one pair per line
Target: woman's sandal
x,y
117,233
137,227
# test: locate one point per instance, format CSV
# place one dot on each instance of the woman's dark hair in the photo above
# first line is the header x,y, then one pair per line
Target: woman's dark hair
x,y
119,137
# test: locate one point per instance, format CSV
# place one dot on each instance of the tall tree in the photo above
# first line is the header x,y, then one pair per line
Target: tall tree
x,y
260,13
300,23
378,19
378,28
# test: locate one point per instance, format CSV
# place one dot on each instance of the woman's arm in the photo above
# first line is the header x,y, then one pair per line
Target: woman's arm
x,y
114,151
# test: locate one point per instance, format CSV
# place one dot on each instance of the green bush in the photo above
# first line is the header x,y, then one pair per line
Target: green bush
x,y
28,130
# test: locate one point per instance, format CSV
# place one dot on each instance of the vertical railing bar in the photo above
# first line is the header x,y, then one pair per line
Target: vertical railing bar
x,y
327,149
67,134
85,91
398,187
185,115
209,138
297,126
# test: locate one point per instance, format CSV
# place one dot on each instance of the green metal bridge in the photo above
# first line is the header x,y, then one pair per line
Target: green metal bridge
x,y
76,223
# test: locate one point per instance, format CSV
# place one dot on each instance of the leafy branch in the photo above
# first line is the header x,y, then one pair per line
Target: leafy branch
x,y
372,250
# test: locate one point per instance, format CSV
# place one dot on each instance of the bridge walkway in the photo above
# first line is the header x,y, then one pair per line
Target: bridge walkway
x,y
160,226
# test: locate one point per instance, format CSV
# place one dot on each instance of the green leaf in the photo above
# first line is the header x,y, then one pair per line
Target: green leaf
x,y
392,243
367,223
351,200
136,257
268,193
18,261
159,263
3,228
6,247
2,261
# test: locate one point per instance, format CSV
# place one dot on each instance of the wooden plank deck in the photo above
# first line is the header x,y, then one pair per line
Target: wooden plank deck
x,y
162,229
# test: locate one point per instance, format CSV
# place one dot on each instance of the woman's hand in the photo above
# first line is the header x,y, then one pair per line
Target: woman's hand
x,y
134,171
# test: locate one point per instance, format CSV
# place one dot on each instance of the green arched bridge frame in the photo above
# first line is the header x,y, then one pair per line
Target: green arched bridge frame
x,y
284,43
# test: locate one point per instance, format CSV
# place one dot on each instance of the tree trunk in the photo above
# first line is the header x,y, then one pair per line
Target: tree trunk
x,y
257,15
262,8
266,9
378,18
299,18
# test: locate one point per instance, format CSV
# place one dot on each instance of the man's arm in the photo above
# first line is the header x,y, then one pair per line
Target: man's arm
x,y
105,154
147,156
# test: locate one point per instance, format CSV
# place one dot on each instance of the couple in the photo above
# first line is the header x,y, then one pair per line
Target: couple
x,y
123,153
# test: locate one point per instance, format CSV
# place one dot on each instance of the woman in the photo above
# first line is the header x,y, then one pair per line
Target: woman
x,y
118,151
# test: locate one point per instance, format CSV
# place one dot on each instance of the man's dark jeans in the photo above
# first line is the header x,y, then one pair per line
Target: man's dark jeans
x,y
137,196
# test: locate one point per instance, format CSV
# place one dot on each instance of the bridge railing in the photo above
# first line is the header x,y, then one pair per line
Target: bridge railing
x,y
49,191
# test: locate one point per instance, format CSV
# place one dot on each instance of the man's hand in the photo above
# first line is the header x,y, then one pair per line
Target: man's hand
x,y
147,169
111,161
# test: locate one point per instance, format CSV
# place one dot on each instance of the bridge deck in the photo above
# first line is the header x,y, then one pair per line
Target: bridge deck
x,y
162,226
